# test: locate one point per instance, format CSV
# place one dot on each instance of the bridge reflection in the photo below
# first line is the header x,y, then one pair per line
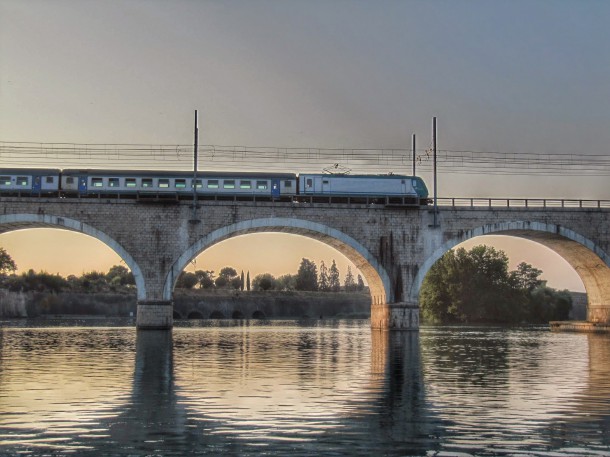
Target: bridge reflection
x,y
334,388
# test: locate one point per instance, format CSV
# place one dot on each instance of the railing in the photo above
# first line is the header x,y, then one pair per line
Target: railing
x,y
522,203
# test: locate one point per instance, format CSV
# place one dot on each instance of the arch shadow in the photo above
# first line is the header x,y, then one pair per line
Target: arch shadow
x,y
375,274
12,222
589,261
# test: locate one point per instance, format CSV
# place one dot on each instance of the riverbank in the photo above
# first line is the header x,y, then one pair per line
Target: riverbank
x,y
190,304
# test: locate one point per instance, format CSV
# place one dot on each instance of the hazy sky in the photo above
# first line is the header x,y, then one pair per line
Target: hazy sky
x,y
511,76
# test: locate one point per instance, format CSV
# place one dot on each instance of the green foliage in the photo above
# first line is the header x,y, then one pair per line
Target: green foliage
x,y
120,276
475,286
187,280
307,276
334,282
349,285
527,277
264,281
360,285
228,279
7,264
287,282
205,279
36,282
323,278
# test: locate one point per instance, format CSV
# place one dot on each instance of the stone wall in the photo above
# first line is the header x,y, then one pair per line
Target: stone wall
x,y
13,304
272,305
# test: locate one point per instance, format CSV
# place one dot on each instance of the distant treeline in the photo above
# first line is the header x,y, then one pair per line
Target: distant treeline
x,y
120,279
307,278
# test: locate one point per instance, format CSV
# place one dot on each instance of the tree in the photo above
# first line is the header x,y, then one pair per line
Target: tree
x,y
205,279
469,286
334,282
120,275
227,278
242,282
248,281
349,284
186,280
323,278
360,283
7,264
307,276
547,304
527,277
476,286
264,281
287,282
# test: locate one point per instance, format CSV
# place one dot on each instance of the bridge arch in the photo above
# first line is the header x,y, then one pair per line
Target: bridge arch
x,y
11,222
374,273
589,261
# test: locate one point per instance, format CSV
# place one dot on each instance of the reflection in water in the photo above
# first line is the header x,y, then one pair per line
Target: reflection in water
x,y
153,417
325,388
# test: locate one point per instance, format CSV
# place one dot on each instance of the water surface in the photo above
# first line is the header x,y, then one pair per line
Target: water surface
x,y
330,387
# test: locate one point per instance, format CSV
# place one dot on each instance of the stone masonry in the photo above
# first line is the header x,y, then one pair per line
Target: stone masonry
x,y
393,247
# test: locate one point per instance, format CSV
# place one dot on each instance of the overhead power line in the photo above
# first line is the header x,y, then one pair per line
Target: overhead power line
x,y
296,159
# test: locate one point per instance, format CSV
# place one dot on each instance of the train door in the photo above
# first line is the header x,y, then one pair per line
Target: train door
x,y
82,184
326,185
36,184
275,188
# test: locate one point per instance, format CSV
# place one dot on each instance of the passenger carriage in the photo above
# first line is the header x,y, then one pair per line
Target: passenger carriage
x,y
29,181
177,183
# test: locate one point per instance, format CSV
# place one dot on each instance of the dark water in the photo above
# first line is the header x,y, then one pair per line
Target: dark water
x,y
328,388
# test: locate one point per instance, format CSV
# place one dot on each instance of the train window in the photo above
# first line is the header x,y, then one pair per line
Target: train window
x,y
113,182
147,182
130,182
180,183
245,184
309,182
198,184
22,180
69,180
261,185
325,181
5,180
213,184
228,184
97,182
164,183
49,179
287,184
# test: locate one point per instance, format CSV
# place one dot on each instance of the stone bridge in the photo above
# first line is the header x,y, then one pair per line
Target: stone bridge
x,y
393,247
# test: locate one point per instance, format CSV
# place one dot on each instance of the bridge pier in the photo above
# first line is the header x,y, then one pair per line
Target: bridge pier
x,y
155,315
598,314
395,316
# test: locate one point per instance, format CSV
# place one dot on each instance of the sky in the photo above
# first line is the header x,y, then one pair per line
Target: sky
x,y
510,76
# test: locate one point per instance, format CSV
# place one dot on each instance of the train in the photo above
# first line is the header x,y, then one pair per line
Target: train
x,y
410,190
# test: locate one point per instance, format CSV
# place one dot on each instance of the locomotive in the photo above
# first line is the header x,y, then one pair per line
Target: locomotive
x,y
179,184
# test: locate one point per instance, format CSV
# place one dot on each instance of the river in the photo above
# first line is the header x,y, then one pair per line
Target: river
x,y
323,388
